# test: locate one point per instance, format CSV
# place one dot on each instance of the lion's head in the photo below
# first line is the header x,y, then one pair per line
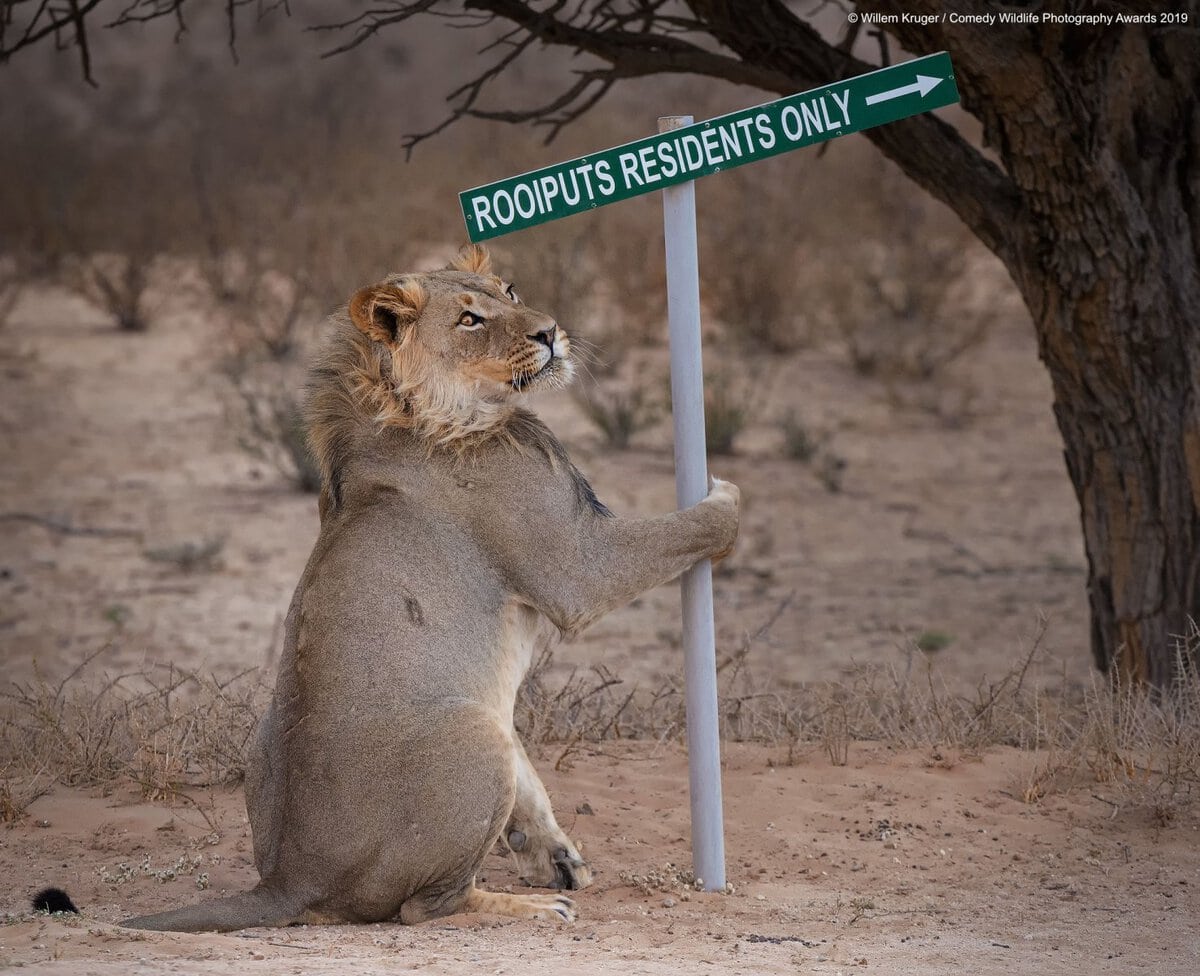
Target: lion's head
x,y
441,353
460,339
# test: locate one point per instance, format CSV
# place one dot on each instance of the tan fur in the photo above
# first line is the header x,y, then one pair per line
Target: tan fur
x,y
452,525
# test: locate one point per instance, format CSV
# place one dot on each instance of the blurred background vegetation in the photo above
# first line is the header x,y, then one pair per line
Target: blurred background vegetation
x,y
262,186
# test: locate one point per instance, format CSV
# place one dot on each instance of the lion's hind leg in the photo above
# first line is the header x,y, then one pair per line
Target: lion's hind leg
x,y
426,905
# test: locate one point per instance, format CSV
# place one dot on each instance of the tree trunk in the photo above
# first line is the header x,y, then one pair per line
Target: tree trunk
x,y
1104,147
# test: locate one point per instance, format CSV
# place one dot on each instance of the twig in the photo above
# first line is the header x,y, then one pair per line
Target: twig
x,y
66,527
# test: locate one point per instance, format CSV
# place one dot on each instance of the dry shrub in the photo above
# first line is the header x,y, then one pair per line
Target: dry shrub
x,y
119,284
752,258
263,309
800,441
631,275
732,398
555,272
190,555
804,444
267,413
601,275
618,411
166,730
13,280
906,298
899,308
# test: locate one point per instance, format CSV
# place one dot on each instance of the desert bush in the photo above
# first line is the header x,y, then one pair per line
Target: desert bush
x,y
12,282
601,277
905,299
803,444
167,730
189,556
800,442
118,284
268,416
730,401
752,259
555,272
618,412
631,271
897,318
263,310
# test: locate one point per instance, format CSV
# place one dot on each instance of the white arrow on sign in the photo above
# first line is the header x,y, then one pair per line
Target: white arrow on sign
x,y
924,84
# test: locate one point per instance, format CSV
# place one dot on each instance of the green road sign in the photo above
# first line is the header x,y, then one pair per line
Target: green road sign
x,y
708,147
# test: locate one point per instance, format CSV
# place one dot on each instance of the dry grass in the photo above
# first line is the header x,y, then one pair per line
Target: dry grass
x,y
173,731
168,731
1144,750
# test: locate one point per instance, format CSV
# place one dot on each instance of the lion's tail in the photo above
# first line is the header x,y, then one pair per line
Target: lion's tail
x,y
258,907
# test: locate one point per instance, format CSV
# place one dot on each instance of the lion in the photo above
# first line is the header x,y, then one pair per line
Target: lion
x,y
452,522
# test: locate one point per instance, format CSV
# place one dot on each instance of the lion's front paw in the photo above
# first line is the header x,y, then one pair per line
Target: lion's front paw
x,y
549,862
726,497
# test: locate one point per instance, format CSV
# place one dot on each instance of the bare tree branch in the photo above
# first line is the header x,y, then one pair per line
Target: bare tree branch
x,y
768,48
763,44
69,23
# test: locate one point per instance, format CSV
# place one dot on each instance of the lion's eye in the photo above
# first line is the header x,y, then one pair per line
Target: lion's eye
x,y
470,321
511,292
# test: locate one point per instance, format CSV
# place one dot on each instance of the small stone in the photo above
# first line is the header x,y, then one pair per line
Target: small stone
x,y
668,903
585,809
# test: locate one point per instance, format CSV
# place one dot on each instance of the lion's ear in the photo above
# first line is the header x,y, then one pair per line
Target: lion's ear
x,y
472,258
385,312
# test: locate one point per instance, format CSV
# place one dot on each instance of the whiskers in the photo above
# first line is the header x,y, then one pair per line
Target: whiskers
x,y
584,355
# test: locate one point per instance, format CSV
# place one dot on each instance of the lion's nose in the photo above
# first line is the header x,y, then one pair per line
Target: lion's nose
x,y
545,336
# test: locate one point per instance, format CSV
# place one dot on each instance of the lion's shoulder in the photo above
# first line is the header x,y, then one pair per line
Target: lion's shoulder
x,y
528,432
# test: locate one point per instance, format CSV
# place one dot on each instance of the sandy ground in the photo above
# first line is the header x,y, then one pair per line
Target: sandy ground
x,y
114,445
894,863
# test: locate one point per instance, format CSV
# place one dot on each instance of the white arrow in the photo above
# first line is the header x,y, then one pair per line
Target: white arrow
x,y
924,84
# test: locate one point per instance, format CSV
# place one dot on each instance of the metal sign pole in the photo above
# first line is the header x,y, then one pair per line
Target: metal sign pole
x,y
691,486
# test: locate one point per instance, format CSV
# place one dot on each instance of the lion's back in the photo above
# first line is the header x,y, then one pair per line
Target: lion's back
x,y
383,576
